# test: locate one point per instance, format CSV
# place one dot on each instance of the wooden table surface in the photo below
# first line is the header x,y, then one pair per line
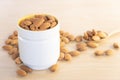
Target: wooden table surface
x,y
75,16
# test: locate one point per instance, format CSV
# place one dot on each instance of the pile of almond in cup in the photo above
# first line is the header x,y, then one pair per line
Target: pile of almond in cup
x,y
90,39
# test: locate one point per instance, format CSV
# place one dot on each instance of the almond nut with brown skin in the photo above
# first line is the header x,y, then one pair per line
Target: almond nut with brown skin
x,y
81,46
78,38
92,44
45,26
99,53
53,68
116,45
18,60
7,47
67,57
74,53
109,52
21,72
26,68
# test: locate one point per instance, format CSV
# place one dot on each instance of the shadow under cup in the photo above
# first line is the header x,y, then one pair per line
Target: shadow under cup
x,y
39,50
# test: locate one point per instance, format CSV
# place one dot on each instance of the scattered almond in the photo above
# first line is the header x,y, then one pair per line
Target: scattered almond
x,y
116,45
26,68
96,38
78,38
53,68
81,46
7,47
74,53
109,52
99,53
61,57
67,57
92,44
21,72
18,60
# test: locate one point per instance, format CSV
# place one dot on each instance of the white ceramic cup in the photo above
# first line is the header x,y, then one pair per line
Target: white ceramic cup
x,y
39,49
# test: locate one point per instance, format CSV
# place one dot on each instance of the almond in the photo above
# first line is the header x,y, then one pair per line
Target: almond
x,y
92,44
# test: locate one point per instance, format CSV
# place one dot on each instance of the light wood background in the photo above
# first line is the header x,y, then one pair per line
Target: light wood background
x,y
75,16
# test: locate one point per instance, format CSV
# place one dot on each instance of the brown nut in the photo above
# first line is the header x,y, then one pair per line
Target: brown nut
x,y
53,68
85,36
45,26
26,68
53,24
21,72
13,51
64,50
92,44
14,56
116,45
38,22
71,37
81,46
14,42
101,34
109,52
67,57
99,53
95,38
15,33
64,39
7,47
8,41
62,44
18,60
61,57
78,38
49,17
74,53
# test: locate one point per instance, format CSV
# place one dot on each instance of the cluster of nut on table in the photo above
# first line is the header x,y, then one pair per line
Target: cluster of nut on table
x,y
90,39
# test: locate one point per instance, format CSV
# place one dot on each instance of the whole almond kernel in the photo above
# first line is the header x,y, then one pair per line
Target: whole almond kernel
x,y
78,38
81,46
61,57
7,47
45,26
53,68
50,17
14,56
67,57
26,68
64,50
85,36
14,42
18,60
66,40
27,22
71,37
21,72
38,22
109,52
96,38
74,53
13,51
99,53
8,41
53,24
62,44
92,44
15,33
116,45
101,34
